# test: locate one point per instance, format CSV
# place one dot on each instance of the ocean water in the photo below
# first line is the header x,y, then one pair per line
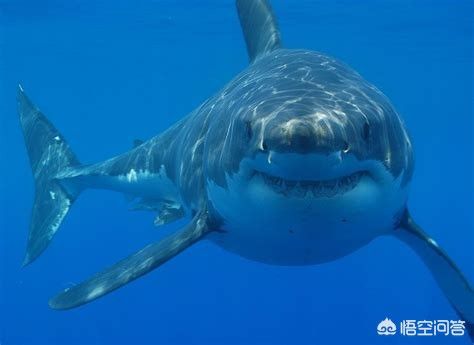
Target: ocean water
x,y
107,72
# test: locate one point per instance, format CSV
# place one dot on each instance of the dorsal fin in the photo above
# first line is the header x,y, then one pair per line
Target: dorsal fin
x,y
259,26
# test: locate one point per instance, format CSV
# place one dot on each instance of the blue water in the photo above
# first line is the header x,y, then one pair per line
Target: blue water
x,y
108,72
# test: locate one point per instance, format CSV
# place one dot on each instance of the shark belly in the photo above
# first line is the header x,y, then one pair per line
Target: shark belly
x,y
278,230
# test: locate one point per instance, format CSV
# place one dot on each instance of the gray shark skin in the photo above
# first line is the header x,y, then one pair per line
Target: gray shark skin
x,y
296,161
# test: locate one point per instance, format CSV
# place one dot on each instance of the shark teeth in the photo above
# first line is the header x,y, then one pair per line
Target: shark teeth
x,y
318,189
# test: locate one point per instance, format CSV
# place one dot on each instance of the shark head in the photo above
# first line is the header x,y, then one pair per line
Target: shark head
x,y
313,152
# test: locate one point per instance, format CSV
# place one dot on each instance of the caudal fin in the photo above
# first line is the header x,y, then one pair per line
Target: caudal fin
x,y
49,154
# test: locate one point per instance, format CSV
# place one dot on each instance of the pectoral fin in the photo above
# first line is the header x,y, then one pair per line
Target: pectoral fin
x,y
448,276
134,266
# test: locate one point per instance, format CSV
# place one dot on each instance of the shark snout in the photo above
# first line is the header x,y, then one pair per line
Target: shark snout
x,y
303,136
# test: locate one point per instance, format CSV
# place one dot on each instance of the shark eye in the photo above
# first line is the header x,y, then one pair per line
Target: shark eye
x,y
345,147
366,131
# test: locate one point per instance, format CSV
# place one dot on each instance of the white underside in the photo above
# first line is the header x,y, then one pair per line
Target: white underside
x,y
133,183
142,183
265,226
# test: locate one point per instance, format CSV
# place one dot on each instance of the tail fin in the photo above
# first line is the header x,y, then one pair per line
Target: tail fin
x,y
49,154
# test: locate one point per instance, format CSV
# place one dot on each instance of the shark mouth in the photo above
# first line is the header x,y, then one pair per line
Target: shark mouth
x,y
315,188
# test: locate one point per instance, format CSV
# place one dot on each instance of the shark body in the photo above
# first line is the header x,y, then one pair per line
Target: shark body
x,y
298,160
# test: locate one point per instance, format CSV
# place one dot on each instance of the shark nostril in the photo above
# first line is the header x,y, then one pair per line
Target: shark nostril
x,y
264,146
345,147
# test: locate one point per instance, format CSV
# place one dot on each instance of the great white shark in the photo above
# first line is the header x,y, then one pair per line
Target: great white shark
x,y
296,161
